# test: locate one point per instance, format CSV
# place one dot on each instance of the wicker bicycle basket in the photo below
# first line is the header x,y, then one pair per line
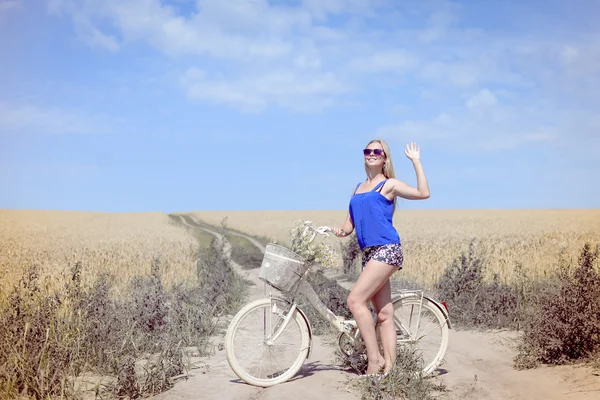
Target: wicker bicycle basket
x,y
281,267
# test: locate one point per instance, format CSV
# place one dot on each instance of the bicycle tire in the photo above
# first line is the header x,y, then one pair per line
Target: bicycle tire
x,y
405,308
297,327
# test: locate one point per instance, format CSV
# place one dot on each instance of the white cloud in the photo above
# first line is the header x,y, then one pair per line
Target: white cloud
x,y
483,98
229,30
99,39
438,128
42,120
6,5
253,54
505,139
465,73
321,9
438,23
290,90
400,109
385,61
488,129
569,54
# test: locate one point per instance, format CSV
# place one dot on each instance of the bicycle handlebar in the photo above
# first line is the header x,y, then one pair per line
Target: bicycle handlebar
x,y
322,230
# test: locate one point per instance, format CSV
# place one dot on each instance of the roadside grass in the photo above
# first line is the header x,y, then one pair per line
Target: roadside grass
x,y
562,323
244,252
405,381
204,240
136,342
558,315
475,301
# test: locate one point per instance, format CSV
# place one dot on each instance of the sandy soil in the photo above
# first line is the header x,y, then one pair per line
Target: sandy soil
x,y
478,365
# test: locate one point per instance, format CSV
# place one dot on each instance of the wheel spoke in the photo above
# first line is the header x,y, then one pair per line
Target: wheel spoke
x,y
251,354
420,325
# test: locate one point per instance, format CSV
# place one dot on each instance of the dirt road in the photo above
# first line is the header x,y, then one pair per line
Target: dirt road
x,y
478,365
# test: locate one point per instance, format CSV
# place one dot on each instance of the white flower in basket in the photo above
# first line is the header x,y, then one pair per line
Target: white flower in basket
x,y
282,268
311,251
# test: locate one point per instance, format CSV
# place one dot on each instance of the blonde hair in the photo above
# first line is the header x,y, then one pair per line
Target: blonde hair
x,y
388,166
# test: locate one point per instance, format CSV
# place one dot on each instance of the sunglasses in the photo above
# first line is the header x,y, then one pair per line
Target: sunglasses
x,y
377,152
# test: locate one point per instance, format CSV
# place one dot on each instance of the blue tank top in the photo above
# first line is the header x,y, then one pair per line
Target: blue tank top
x,y
371,214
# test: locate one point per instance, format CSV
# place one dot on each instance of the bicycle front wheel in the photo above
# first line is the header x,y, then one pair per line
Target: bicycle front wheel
x,y
253,355
422,326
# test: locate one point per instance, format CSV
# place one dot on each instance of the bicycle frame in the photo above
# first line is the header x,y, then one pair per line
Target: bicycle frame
x,y
281,310
341,324
303,287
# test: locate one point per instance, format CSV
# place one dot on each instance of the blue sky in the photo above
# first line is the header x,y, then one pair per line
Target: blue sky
x,y
148,105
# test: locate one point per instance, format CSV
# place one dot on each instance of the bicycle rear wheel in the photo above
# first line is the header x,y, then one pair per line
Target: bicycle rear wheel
x,y
250,353
423,327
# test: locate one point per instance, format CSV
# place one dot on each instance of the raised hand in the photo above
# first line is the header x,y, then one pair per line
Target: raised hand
x,y
413,151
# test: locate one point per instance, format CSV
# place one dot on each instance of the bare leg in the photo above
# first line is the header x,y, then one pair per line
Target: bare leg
x,y
382,300
373,277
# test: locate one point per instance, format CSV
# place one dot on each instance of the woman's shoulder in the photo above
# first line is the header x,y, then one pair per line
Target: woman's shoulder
x,y
391,184
392,181
355,188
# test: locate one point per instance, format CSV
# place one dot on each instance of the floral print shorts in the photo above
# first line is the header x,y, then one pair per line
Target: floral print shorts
x,y
387,253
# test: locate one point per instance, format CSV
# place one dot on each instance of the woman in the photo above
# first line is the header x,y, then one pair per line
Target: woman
x,y
371,209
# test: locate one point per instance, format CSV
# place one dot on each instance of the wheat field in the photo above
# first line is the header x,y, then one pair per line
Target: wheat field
x,y
124,244
433,238
121,244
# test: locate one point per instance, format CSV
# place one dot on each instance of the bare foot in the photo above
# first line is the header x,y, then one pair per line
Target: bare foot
x,y
376,367
386,369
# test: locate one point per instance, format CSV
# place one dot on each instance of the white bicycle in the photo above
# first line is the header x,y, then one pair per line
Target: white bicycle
x,y
268,340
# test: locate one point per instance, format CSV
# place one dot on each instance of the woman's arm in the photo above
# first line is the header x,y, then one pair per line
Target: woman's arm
x,y
421,192
346,229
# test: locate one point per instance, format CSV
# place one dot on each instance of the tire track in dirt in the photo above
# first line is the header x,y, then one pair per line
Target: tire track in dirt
x,y
320,377
255,242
